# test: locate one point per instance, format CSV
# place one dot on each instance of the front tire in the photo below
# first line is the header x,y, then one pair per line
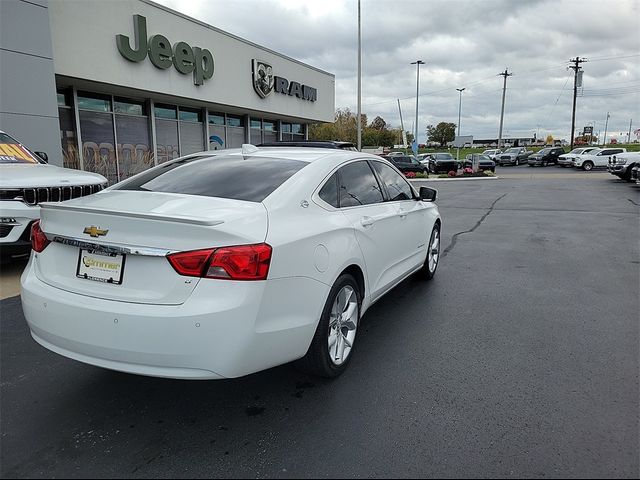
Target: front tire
x,y
332,346
430,265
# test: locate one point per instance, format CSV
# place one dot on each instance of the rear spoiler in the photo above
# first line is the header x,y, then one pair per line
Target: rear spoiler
x,y
145,216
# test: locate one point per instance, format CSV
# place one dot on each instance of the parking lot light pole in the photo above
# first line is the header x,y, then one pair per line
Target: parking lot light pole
x,y
417,63
459,111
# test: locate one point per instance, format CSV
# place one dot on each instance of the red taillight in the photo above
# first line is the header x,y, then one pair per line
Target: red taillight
x,y
243,262
39,240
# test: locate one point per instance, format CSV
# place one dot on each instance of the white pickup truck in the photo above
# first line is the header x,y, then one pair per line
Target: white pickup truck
x,y
591,160
621,165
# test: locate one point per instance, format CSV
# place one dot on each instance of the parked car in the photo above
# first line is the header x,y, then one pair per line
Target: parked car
x,y
545,156
513,156
423,158
442,163
484,162
407,163
599,159
566,159
492,153
195,270
622,164
26,181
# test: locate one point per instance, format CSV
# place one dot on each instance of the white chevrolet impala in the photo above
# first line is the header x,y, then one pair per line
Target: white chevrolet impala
x,y
221,264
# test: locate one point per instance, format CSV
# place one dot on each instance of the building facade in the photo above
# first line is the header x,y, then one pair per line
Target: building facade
x,y
117,87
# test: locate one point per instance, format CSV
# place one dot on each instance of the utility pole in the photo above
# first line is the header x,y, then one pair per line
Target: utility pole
x,y
606,124
505,74
402,137
417,63
629,134
459,110
359,82
576,68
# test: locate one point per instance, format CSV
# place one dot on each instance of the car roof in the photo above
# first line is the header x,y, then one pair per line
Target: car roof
x,y
310,144
304,154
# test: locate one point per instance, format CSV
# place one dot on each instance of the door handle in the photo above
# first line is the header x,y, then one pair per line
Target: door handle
x,y
367,221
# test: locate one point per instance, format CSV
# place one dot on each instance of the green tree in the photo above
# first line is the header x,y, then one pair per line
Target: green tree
x,y
378,123
442,133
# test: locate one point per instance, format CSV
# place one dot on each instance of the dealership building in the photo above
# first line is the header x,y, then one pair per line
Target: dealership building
x,y
116,87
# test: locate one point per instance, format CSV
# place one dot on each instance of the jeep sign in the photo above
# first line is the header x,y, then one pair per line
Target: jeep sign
x,y
182,56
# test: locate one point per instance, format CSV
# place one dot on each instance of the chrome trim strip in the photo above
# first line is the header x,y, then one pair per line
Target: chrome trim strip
x,y
111,248
145,216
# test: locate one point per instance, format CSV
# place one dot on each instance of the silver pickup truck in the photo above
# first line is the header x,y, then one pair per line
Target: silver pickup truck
x,y
513,156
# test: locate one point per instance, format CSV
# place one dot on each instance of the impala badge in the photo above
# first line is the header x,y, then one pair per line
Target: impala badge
x,y
95,232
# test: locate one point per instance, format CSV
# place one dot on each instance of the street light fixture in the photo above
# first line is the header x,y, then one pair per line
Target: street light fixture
x,y
417,63
459,110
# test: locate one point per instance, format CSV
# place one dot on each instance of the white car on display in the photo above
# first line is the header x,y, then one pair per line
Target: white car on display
x,y
492,153
595,159
566,159
221,264
25,181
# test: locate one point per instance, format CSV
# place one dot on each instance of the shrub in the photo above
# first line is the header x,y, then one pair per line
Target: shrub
x,y
410,175
452,173
468,170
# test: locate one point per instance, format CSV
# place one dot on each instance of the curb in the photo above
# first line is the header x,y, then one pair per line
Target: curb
x,y
453,179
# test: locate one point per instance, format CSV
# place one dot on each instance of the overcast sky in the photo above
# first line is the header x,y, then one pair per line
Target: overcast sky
x,y
464,44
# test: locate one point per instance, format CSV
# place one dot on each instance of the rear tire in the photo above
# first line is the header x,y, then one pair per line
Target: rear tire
x,y
587,166
339,322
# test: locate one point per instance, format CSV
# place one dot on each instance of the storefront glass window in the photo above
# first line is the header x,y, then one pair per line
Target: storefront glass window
x,y
256,123
216,118
234,121
68,138
162,111
98,144
129,107
166,140
188,115
134,151
99,103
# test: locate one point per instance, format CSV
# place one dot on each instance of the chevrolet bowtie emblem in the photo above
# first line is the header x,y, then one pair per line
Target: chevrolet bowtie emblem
x,y
95,231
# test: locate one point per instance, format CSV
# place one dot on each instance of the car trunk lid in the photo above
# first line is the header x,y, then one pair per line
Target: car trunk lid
x,y
129,233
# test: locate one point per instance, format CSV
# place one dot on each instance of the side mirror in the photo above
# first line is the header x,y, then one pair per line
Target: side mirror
x,y
428,194
43,156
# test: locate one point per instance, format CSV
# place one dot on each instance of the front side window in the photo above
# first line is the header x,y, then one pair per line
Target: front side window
x,y
358,185
226,176
396,186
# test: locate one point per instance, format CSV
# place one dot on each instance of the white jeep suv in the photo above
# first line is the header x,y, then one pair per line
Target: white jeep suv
x,y
26,181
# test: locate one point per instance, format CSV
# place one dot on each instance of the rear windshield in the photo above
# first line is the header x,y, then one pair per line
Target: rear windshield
x,y
225,176
12,152
444,156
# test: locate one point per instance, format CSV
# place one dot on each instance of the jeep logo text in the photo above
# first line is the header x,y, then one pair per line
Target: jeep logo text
x,y
182,56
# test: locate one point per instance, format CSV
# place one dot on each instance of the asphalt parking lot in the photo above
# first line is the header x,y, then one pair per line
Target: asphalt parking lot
x,y
520,359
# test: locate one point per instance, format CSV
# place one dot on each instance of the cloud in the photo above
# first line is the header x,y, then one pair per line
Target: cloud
x,y
465,44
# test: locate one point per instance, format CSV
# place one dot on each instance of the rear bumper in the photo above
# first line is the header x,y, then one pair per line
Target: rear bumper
x,y
260,325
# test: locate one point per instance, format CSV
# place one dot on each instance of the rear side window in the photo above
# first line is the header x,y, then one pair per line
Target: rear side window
x,y
329,192
397,187
358,185
235,177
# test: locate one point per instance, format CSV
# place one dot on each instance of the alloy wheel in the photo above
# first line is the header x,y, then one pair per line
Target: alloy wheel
x,y
433,255
343,323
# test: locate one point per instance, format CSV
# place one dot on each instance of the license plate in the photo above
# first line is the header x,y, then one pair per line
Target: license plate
x,y
101,266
